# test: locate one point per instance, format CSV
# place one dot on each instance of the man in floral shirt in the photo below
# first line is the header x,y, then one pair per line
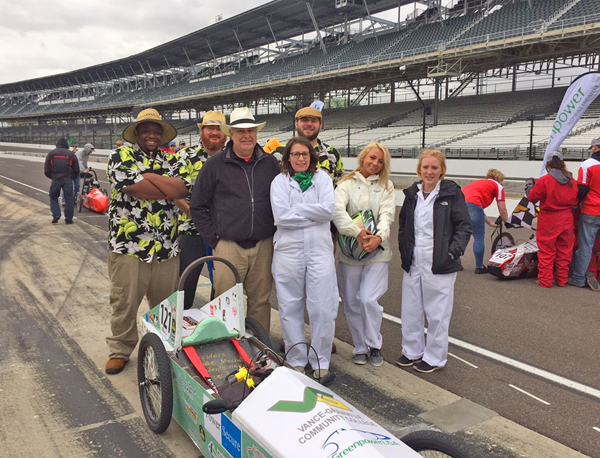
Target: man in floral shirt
x,y
142,258
190,242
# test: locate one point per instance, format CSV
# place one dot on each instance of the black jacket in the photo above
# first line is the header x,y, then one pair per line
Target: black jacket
x,y
451,228
231,198
61,162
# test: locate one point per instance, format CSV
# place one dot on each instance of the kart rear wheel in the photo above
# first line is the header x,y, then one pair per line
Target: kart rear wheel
x,y
503,240
79,202
256,329
434,444
155,383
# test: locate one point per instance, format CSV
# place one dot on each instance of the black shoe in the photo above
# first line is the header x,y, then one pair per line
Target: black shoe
x,y
481,270
55,219
69,222
425,368
403,361
592,282
572,282
375,357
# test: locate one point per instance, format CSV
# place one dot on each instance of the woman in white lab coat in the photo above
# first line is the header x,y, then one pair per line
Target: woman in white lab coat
x,y
303,262
434,230
362,283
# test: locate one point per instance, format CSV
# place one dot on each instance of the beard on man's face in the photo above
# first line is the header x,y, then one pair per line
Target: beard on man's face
x,y
213,142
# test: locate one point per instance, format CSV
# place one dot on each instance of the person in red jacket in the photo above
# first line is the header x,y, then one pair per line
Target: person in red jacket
x,y
557,195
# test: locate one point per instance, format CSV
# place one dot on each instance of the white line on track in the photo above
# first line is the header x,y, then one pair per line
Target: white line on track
x,y
541,373
463,360
529,394
23,184
595,428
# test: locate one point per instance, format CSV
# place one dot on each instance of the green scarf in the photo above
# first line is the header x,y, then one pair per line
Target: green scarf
x,y
304,179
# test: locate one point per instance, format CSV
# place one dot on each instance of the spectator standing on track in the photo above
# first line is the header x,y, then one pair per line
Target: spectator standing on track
x,y
588,182
181,146
142,219
62,167
557,195
308,122
82,156
191,245
303,263
362,283
433,234
231,209
479,195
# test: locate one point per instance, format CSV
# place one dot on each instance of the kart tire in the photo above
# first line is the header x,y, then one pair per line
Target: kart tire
x,y
79,202
504,240
156,389
256,329
433,441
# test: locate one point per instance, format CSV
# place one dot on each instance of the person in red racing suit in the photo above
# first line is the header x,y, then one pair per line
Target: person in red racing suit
x,y
557,195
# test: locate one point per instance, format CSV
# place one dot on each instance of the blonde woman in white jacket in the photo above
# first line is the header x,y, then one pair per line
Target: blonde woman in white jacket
x,y
362,283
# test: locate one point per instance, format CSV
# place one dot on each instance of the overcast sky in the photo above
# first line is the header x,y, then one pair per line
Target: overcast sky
x,y
45,37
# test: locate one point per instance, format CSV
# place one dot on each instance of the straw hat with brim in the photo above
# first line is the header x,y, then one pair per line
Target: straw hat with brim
x,y
150,115
212,118
241,118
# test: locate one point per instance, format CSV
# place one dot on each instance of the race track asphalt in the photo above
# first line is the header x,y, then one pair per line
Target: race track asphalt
x,y
528,354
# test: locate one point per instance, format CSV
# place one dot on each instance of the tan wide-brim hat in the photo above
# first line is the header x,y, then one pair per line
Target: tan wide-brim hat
x,y
212,118
150,115
242,118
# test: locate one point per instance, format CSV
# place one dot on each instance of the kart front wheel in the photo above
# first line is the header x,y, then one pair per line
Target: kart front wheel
x,y
79,202
155,383
434,444
257,330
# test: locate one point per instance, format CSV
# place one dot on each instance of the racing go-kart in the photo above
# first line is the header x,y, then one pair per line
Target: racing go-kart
x,y
91,196
213,371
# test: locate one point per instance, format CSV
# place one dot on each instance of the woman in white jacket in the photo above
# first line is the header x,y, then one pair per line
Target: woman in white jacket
x,y
303,262
362,283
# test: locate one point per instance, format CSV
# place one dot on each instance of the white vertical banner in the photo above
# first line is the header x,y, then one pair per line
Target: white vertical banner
x,y
580,94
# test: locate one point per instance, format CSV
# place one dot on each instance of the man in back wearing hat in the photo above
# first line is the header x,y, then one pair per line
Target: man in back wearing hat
x,y
142,219
588,182
62,167
82,156
191,245
231,208
308,122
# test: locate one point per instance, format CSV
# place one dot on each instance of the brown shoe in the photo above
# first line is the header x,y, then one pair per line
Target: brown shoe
x,y
115,365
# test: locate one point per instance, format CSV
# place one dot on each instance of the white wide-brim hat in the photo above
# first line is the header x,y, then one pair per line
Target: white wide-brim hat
x,y
242,118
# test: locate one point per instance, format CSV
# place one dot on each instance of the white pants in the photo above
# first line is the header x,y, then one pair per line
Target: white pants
x,y
296,273
426,295
360,288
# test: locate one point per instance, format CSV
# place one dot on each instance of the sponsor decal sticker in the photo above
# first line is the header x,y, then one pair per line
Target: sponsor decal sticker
x,y
191,412
311,397
231,437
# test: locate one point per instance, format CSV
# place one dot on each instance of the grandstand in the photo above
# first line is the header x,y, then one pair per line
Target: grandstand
x,y
490,75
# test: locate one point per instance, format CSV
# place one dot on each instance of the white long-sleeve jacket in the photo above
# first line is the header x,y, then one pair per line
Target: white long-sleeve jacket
x,y
360,193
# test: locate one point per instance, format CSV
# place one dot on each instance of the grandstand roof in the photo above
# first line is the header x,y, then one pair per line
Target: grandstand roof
x,y
284,19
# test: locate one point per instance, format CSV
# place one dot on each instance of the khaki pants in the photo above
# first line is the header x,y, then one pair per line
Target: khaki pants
x,y
254,267
131,280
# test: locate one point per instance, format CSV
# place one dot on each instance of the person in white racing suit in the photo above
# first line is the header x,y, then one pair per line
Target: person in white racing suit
x,y
303,202
434,230
363,282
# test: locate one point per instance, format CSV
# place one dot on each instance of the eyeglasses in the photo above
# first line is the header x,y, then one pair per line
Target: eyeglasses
x,y
300,155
